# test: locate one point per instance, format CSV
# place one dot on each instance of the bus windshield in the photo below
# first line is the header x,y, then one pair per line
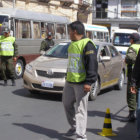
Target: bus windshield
x,y
121,39
3,18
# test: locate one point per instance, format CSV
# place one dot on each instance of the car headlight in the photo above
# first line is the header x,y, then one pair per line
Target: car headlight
x,y
29,68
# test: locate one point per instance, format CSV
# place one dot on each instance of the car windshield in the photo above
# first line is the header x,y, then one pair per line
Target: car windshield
x,y
60,51
121,39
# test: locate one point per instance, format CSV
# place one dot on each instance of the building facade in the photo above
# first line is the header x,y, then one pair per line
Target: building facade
x,y
117,14
73,9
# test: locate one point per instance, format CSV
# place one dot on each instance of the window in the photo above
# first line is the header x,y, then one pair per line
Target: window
x,y
60,31
113,51
104,51
23,29
36,28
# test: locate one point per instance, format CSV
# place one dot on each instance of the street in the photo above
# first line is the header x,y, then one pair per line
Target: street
x,y
41,117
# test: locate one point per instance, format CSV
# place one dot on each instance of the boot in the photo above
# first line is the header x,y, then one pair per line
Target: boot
x,y
13,82
5,83
131,117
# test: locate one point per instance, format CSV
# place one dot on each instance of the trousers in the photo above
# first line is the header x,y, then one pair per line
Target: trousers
x,y
131,98
75,102
7,67
138,113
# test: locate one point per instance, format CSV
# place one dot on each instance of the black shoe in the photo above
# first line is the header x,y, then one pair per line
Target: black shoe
x,y
71,132
131,117
13,82
5,83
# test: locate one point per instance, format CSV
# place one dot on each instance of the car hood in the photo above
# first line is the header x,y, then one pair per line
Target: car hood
x,y
50,62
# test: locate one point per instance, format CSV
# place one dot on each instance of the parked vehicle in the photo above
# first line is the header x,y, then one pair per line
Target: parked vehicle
x,y
47,73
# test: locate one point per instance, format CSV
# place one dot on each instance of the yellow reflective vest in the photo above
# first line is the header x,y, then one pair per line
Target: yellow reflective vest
x,y
76,70
6,46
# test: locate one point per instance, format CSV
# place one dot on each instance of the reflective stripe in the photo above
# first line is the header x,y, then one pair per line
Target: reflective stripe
x,y
75,63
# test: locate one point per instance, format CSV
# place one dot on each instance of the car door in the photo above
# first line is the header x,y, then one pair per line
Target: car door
x,y
105,66
116,64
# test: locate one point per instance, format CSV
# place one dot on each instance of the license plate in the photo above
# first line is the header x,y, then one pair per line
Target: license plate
x,y
48,84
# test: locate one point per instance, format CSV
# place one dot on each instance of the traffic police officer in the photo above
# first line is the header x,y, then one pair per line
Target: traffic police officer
x,y
130,60
46,43
81,73
8,53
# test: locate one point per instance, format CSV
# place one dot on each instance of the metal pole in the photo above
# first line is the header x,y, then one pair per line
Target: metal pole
x,y
14,3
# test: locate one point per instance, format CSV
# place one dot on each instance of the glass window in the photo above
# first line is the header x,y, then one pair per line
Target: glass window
x,y
43,31
23,29
121,39
113,51
106,37
60,31
104,51
36,28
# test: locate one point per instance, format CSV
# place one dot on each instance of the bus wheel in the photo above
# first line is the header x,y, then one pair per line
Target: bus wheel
x,y
19,69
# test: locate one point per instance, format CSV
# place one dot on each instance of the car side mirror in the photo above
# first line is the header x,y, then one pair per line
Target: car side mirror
x,y
105,58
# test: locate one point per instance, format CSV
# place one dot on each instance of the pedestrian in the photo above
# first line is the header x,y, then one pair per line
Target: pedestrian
x,y
8,54
135,89
81,73
130,60
46,43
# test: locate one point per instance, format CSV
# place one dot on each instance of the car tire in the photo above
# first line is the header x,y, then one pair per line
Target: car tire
x,y
120,84
19,69
95,90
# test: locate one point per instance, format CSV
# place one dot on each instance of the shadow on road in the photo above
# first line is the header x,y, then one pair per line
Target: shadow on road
x,y
123,133
42,96
41,130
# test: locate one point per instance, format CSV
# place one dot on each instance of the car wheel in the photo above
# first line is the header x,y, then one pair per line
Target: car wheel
x,y
95,90
120,84
19,69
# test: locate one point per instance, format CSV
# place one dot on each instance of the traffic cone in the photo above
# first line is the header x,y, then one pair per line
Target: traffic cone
x,y
107,127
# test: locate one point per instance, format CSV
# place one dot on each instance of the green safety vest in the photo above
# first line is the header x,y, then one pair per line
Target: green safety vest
x,y
76,70
6,46
136,47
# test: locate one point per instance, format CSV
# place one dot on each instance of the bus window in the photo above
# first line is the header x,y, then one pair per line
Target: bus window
x,y
50,28
23,29
0,29
60,31
43,31
36,30
122,39
89,34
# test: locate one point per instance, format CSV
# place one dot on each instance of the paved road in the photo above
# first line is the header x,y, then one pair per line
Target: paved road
x,y
41,117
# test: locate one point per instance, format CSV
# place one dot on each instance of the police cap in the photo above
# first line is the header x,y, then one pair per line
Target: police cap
x,y
6,30
135,36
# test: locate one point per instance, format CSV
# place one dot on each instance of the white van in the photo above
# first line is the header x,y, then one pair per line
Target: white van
x,y
121,39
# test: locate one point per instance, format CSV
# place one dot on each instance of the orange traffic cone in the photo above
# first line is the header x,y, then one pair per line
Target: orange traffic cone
x,y
107,127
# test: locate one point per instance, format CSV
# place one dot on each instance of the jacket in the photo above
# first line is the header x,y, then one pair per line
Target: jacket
x,y
136,72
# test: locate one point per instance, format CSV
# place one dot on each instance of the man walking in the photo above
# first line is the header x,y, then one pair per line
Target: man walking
x,y
8,53
81,73
130,60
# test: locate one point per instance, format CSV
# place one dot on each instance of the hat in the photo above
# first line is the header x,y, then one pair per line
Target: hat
x,y
135,36
49,33
6,30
